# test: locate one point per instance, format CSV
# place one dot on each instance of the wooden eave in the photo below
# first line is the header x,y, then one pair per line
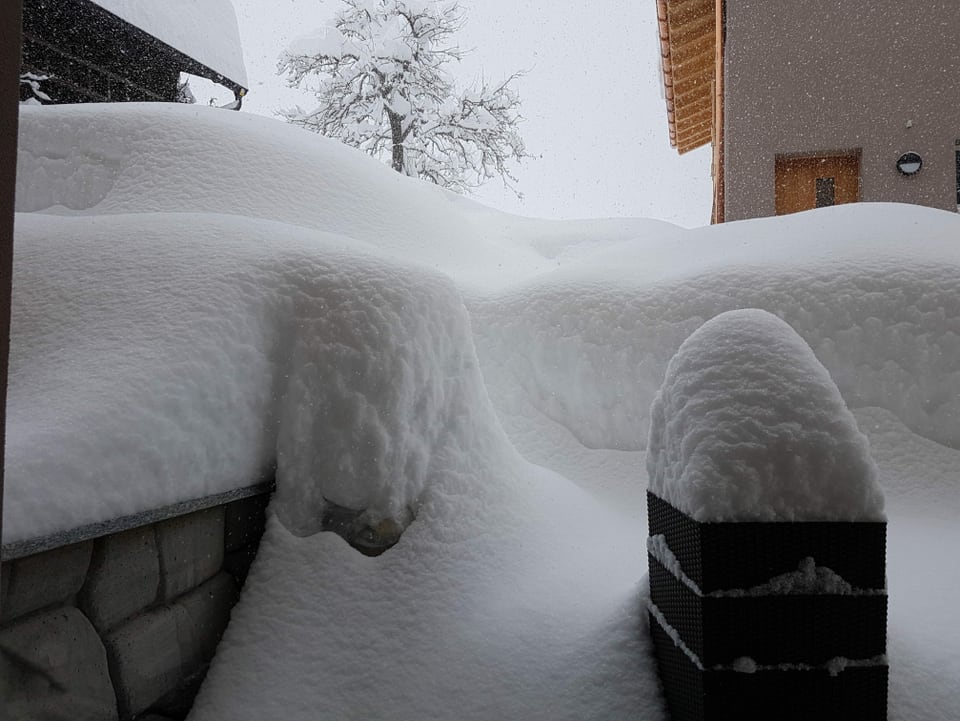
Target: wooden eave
x,y
688,56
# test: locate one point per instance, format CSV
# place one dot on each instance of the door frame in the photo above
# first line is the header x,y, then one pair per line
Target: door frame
x,y
783,159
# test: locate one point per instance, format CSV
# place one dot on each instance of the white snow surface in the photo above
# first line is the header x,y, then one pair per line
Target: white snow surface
x,y
205,30
749,426
201,295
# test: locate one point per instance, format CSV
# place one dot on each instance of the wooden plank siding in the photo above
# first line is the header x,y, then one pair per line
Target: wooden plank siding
x,y
688,30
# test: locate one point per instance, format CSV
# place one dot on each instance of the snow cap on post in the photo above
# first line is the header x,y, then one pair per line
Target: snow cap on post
x,y
749,426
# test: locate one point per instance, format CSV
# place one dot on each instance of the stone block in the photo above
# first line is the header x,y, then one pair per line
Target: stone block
x,y
206,611
53,666
145,661
123,578
244,521
45,579
191,551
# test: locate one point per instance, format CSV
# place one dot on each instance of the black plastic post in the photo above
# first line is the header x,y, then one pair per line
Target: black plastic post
x,y
10,20
724,655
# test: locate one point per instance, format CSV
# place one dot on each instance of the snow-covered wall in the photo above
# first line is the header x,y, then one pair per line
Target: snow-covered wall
x,y
206,31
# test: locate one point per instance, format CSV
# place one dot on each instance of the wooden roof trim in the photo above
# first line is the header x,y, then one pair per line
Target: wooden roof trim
x,y
687,31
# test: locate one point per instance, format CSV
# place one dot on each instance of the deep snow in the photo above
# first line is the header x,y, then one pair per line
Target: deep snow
x,y
199,294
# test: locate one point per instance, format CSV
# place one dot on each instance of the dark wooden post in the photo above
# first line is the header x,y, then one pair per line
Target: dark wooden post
x,y
10,19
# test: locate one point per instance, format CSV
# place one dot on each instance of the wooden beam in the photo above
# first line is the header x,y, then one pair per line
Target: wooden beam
x,y
718,213
692,143
11,14
700,26
688,54
695,116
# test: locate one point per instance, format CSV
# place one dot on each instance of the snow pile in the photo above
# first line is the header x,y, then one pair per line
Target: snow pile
x,y
143,158
159,358
748,426
513,594
380,379
196,291
873,289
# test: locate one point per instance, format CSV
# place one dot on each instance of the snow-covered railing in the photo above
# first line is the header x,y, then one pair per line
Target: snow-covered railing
x,y
767,535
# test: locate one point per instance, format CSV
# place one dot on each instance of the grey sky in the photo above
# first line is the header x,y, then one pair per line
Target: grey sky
x,y
595,118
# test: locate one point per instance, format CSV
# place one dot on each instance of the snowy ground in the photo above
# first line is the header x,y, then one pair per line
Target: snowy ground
x,y
201,294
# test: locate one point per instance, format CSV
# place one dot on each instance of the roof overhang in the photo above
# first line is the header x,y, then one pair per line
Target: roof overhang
x,y
688,40
204,33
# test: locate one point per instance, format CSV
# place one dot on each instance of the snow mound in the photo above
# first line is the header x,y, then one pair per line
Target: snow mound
x,y
158,358
873,289
749,426
108,159
381,378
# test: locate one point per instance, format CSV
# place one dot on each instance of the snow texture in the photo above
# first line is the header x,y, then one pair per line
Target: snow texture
x,y
749,426
873,289
180,271
206,31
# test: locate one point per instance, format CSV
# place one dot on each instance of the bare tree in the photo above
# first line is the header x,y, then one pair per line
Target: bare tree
x,y
379,73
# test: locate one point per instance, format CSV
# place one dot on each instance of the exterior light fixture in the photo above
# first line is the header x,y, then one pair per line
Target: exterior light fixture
x,y
909,163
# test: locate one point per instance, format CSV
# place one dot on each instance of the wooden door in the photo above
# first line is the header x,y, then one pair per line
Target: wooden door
x,y
803,183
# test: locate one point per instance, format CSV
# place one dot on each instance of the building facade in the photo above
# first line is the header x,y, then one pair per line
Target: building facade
x,y
817,103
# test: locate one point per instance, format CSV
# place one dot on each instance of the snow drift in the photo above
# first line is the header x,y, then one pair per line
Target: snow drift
x,y
162,357
199,295
873,289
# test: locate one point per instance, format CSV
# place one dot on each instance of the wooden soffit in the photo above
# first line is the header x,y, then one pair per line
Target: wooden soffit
x,y
688,40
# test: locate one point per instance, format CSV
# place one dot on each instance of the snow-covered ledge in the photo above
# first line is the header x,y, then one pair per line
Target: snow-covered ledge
x,y
119,618
90,531
767,533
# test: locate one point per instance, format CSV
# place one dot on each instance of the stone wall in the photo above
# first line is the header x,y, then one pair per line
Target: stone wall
x,y
123,625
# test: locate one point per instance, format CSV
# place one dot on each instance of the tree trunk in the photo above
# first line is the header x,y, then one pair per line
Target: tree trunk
x,y
396,132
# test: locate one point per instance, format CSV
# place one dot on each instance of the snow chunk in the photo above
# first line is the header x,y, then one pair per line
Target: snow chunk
x,y
749,426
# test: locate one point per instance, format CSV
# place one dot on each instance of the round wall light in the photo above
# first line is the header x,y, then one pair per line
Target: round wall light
x,y
909,163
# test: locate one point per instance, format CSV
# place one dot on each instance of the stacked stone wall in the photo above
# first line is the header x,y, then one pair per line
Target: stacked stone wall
x,y
124,625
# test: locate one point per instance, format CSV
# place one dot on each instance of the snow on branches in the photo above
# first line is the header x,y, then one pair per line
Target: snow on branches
x,y
379,73
31,81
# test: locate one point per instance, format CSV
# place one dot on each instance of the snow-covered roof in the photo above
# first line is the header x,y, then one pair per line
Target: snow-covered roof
x,y
206,31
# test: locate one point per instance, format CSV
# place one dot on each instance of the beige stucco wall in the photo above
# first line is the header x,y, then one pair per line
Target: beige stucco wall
x,y
834,75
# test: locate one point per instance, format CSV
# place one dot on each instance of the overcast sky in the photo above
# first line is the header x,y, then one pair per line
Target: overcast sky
x,y
595,121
